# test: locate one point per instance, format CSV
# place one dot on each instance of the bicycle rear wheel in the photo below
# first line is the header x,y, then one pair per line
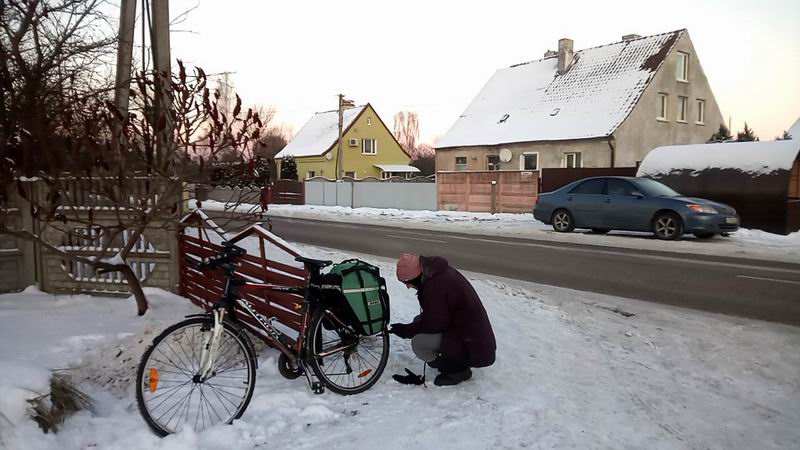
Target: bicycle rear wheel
x,y
344,361
169,391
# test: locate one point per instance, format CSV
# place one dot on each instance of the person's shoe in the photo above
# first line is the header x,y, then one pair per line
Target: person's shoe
x,y
452,378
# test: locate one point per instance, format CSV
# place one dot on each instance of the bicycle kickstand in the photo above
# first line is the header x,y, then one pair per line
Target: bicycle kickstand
x,y
316,386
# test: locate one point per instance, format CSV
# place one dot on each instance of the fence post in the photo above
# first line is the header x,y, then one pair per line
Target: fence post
x,y
494,197
352,194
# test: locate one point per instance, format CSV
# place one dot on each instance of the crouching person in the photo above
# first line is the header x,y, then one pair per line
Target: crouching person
x,y
452,333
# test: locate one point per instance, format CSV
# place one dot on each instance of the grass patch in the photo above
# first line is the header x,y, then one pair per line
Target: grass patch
x,y
64,399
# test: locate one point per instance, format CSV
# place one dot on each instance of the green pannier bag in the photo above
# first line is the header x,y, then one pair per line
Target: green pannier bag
x,y
365,292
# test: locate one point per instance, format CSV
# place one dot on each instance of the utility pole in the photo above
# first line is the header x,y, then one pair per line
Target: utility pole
x,y
339,155
163,75
122,86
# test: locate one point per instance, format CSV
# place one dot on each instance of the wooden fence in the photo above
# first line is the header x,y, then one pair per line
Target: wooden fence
x,y
555,178
487,191
206,288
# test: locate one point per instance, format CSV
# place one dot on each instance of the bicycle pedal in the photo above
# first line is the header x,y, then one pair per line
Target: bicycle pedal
x,y
317,387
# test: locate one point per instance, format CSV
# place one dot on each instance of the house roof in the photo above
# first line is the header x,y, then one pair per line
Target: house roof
x,y
531,102
397,168
756,158
795,130
320,133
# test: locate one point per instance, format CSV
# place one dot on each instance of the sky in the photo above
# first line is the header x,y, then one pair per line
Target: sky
x,y
432,57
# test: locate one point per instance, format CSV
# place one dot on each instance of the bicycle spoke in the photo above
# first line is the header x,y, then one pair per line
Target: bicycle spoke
x,y
177,356
174,390
173,364
188,357
176,407
185,413
210,408
220,400
224,394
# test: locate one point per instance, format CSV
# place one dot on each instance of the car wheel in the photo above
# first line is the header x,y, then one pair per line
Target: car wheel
x,y
562,221
600,230
704,235
668,226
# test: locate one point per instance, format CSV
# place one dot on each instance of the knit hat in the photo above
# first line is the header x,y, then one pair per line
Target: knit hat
x,y
408,267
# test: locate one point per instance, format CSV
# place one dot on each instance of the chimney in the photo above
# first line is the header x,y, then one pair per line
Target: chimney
x,y
630,37
550,53
565,55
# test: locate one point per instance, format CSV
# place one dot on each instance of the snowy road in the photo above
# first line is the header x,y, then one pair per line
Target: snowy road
x,y
742,287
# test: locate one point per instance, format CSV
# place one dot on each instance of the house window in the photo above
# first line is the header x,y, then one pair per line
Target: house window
x,y
369,120
370,147
595,186
492,162
461,163
682,69
529,161
311,174
701,112
572,160
683,106
662,106
350,174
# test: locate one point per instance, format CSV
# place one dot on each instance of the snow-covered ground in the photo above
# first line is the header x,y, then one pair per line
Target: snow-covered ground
x,y
571,372
744,243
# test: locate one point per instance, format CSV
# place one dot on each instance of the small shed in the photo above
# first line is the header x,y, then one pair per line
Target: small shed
x,y
760,179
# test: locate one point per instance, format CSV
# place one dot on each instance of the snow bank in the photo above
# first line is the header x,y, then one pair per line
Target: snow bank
x,y
571,372
757,158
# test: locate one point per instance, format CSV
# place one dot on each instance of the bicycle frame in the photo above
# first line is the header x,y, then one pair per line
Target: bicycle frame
x,y
234,285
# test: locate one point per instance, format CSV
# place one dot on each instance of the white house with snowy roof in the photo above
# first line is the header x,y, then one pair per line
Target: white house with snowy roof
x,y
368,147
603,106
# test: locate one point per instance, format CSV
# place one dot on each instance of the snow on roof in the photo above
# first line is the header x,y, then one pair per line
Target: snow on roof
x,y
396,168
531,102
319,133
795,130
756,158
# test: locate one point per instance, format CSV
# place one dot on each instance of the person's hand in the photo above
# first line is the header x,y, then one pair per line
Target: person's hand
x,y
400,330
410,378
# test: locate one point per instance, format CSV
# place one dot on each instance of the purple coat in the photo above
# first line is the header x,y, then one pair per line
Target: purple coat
x,y
451,306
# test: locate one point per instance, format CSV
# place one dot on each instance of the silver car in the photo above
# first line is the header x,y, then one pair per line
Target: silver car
x,y
634,204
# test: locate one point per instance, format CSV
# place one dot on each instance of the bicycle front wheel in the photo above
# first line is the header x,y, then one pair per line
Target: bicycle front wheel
x,y
169,391
344,361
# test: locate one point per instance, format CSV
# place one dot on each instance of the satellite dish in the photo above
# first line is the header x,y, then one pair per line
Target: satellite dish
x,y
505,155
329,156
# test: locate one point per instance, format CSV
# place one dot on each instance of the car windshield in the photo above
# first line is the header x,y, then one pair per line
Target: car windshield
x,y
653,188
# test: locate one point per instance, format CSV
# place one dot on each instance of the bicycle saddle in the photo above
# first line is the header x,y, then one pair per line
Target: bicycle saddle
x,y
313,262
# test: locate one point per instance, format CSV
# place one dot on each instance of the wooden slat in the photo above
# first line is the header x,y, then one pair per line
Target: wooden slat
x,y
276,265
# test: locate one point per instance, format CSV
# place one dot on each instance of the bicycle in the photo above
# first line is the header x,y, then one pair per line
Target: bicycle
x,y
201,371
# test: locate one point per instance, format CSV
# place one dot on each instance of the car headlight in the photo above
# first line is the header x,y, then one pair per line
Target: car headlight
x,y
702,209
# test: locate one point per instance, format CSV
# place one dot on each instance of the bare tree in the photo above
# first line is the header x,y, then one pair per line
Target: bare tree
x,y
50,53
106,197
406,130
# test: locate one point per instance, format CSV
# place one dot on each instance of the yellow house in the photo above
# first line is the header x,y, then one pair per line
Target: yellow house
x,y
369,148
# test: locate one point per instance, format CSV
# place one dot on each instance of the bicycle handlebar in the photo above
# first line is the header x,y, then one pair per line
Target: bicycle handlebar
x,y
229,252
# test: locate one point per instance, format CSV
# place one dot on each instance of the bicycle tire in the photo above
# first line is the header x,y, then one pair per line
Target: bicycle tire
x,y
380,342
232,397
